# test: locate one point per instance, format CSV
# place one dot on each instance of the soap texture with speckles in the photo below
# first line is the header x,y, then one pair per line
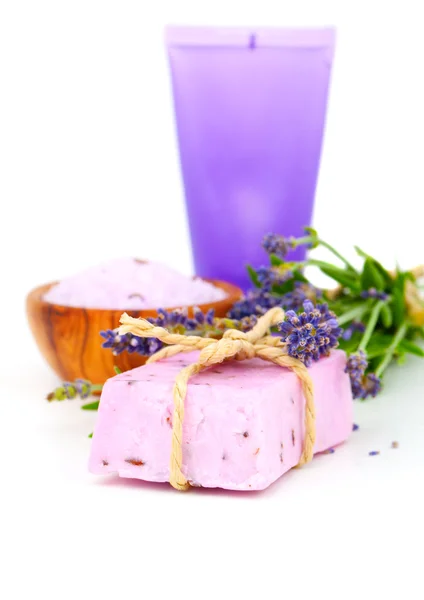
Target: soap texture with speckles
x,y
243,424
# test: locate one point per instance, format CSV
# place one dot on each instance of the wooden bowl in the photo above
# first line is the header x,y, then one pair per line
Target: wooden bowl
x,y
69,337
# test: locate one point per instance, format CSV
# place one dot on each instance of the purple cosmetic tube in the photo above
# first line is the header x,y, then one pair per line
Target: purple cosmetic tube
x,y
250,109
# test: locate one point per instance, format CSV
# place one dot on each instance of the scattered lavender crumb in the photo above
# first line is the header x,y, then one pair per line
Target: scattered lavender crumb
x,y
374,452
355,427
330,451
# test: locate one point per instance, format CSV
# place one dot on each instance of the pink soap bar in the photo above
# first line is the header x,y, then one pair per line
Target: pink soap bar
x,y
243,424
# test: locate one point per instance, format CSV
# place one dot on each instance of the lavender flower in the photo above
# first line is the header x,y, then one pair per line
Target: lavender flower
x,y
277,244
175,320
374,293
129,343
371,385
200,320
69,390
170,319
302,291
244,324
83,388
311,334
363,385
356,366
255,302
258,301
269,276
353,327
178,320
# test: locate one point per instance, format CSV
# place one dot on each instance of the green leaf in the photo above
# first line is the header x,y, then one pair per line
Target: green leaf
x,y
91,405
361,253
411,348
398,307
373,363
398,300
343,277
288,286
388,280
378,345
401,359
371,277
90,435
298,276
284,288
275,260
386,316
253,276
420,332
351,345
117,369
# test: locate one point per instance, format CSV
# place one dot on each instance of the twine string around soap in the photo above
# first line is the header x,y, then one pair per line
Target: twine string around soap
x,y
235,345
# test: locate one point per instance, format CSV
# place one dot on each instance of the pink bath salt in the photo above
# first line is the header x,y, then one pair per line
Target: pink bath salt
x,y
132,284
243,425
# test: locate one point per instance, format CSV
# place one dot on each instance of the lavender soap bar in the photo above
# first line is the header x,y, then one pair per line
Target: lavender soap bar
x,y
243,425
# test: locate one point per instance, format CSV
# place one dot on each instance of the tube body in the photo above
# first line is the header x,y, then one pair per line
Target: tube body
x,y
250,111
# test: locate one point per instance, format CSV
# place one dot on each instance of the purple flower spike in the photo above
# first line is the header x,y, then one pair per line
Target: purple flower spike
x,y
255,302
83,388
174,320
373,293
302,291
353,327
269,276
210,315
363,385
311,334
277,244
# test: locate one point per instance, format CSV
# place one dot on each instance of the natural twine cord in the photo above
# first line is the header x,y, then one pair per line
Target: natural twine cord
x,y
235,345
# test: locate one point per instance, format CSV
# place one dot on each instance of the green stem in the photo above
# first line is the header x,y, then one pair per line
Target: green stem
x,y
325,265
302,240
354,313
400,334
371,324
339,256
309,239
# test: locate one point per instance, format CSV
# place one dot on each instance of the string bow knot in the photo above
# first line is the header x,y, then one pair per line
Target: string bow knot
x,y
234,345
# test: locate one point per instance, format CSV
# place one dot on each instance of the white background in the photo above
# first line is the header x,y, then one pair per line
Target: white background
x,y
87,157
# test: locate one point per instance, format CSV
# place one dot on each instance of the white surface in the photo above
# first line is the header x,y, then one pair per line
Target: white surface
x,y
347,525
87,148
